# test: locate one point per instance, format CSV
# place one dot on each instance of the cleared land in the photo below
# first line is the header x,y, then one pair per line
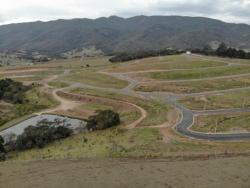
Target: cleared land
x,y
95,79
193,74
237,99
156,111
196,86
223,123
153,136
231,173
164,63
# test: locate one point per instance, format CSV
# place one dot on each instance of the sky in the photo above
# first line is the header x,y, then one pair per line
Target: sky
x,y
15,11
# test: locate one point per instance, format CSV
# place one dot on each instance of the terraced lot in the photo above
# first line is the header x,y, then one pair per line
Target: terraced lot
x,y
193,74
155,123
196,86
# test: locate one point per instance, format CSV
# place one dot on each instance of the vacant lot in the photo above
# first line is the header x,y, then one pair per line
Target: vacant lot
x,y
237,99
223,123
95,79
193,74
196,86
165,63
156,111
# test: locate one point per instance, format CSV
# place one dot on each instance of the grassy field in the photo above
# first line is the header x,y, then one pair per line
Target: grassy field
x,y
58,84
107,143
157,111
196,86
223,123
194,74
37,101
236,99
167,62
96,79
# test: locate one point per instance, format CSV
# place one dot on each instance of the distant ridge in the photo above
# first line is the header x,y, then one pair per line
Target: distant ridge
x,y
115,34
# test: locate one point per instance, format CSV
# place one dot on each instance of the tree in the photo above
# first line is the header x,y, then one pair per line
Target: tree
x,y
2,150
222,50
103,120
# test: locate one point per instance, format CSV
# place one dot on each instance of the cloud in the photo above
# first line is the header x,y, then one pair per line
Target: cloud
x,y
30,10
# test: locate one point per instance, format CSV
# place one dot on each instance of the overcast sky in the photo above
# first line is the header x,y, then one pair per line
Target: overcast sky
x,y
12,11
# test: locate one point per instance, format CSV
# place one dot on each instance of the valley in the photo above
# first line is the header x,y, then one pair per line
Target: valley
x,y
198,109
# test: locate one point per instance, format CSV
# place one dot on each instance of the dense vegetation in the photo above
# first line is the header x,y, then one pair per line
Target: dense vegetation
x,y
122,57
13,92
2,150
40,135
103,120
223,51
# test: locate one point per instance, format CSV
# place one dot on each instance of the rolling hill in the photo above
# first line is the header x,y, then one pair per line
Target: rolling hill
x,y
115,34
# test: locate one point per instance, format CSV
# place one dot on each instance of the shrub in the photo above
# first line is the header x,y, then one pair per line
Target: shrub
x,y
12,91
103,120
2,150
38,137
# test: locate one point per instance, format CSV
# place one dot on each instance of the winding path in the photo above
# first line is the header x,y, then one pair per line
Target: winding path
x,y
187,120
187,115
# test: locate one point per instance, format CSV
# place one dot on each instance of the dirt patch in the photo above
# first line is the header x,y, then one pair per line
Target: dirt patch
x,y
228,172
23,70
118,106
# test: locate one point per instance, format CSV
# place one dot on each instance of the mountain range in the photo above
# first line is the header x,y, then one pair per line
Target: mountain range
x,y
116,34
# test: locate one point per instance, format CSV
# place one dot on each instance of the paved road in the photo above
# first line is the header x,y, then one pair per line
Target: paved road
x,y
183,127
187,121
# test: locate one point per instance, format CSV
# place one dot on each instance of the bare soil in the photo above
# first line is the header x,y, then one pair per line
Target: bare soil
x,y
123,173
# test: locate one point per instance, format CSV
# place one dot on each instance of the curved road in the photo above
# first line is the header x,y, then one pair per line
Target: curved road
x,y
187,120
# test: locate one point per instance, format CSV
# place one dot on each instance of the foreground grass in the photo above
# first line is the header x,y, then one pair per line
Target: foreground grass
x,y
237,99
196,86
157,111
195,74
118,142
108,143
222,123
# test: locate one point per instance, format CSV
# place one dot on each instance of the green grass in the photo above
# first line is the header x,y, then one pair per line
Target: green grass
x,y
196,74
116,142
196,86
96,79
37,101
237,99
157,111
96,107
108,143
166,62
222,123
58,84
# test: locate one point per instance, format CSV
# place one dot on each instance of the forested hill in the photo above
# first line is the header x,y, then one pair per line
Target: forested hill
x,y
115,34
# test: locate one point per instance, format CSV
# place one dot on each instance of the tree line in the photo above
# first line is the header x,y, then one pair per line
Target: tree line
x,y
223,51
123,57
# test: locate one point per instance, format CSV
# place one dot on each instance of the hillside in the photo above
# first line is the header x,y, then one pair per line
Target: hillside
x,y
115,34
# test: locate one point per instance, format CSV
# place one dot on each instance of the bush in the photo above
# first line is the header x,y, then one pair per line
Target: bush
x,y
2,150
38,137
103,120
12,91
